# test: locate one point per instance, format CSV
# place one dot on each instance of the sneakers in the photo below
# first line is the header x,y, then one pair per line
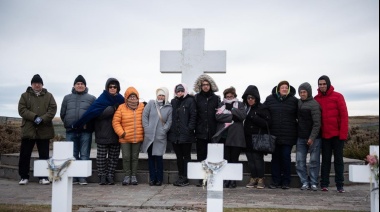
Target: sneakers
x,y
44,181
252,183
340,190
75,181
23,182
126,181
274,186
324,189
314,188
134,180
260,183
285,187
305,187
82,181
158,183
181,182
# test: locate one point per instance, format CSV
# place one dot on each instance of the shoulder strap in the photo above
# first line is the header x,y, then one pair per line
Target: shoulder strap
x,y
159,114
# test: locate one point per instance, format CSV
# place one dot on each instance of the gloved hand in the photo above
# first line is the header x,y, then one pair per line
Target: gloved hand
x,y
229,106
38,120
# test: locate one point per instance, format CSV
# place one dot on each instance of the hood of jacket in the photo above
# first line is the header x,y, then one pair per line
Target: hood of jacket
x,y
307,87
166,91
253,91
205,77
115,81
129,91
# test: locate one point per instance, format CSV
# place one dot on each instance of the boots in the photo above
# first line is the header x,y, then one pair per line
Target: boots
x,y
233,184
226,183
252,183
110,180
102,180
260,183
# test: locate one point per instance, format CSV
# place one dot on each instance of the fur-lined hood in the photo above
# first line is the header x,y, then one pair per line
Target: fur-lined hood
x,y
205,77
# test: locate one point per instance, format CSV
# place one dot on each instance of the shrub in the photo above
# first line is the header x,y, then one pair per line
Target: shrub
x,y
359,140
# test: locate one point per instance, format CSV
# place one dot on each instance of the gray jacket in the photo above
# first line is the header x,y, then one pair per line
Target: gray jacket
x,y
155,132
74,105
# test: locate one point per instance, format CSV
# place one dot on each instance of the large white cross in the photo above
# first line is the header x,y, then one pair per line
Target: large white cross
x,y
230,171
192,61
63,190
363,174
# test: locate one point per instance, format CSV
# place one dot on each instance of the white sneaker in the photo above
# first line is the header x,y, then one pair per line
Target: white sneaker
x,y
44,182
23,182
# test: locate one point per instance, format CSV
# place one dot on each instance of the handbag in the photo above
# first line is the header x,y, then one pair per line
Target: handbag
x,y
264,142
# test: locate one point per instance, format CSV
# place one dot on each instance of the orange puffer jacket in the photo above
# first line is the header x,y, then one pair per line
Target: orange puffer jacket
x,y
128,121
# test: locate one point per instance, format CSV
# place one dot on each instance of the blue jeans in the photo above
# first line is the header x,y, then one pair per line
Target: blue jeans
x,y
82,144
314,164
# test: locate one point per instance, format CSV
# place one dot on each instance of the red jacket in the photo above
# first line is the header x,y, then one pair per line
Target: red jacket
x,y
334,114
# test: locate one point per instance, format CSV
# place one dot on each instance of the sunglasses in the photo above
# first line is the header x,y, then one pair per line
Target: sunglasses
x,y
112,86
250,98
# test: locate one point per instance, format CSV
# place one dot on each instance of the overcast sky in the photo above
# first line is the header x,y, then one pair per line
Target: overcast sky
x,y
266,42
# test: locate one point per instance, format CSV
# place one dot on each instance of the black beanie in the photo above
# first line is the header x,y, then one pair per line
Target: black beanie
x,y
327,79
80,78
37,78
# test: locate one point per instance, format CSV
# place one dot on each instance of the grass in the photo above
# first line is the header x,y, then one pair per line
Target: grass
x,y
28,208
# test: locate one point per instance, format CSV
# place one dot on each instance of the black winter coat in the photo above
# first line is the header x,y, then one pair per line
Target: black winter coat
x,y
206,121
104,132
184,120
284,116
258,118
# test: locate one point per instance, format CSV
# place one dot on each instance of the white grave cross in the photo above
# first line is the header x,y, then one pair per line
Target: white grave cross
x,y
192,61
62,190
363,174
228,172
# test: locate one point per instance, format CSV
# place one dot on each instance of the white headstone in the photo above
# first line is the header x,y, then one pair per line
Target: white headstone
x,y
363,174
192,61
62,190
230,171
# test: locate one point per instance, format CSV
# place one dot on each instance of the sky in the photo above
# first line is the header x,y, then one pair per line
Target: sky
x,y
265,42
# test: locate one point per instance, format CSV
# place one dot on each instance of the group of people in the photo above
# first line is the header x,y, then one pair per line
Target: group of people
x,y
314,124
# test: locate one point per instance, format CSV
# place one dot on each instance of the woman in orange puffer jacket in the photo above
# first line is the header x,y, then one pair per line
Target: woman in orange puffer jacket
x,y
127,123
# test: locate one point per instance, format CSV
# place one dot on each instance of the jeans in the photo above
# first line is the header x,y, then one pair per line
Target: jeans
x,y
82,144
26,149
329,146
281,165
314,164
156,167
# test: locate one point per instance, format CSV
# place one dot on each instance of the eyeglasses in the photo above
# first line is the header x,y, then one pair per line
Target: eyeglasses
x,y
132,97
321,84
205,84
229,97
112,86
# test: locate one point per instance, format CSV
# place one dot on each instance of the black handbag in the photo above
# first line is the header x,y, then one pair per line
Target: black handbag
x,y
264,142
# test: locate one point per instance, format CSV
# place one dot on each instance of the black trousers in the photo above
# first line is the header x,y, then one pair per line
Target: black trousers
x,y
202,145
183,154
26,153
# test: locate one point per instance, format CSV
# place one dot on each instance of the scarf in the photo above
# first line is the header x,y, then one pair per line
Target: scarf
x,y
133,103
98,106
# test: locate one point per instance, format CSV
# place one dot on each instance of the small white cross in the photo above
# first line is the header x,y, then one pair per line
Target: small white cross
x,y
62,190
363,174
230,171
192,61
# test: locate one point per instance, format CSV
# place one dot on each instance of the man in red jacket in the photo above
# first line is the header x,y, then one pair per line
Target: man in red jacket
x,y
334,131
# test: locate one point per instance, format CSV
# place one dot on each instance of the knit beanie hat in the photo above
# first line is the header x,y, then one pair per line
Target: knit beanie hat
x,y
327,79
80,78
36,78
231,90
284,82
179,88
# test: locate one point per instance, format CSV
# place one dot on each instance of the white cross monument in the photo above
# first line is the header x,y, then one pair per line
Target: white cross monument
x,y
230,171
363,174
63,190
192,61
